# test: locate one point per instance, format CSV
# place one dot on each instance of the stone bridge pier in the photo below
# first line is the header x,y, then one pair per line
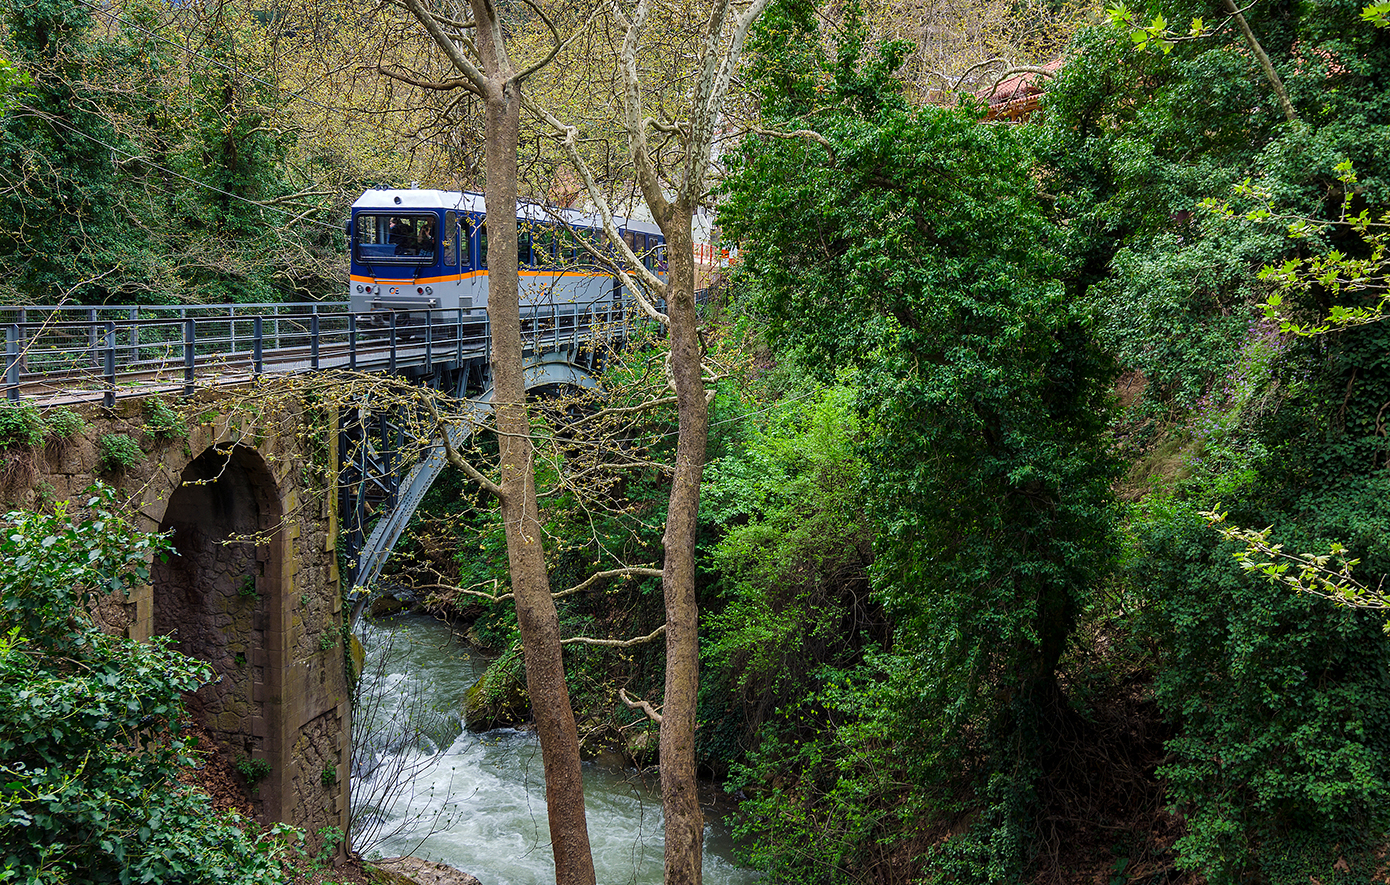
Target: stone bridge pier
x,y
253,587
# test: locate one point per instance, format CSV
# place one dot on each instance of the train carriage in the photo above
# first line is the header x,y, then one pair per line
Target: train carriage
x,y
422,250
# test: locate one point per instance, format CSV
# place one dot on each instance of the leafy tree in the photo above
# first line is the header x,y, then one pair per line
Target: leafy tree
x,y
912,243
60,221
1176,172
1281,761
90,722
792,562
134,171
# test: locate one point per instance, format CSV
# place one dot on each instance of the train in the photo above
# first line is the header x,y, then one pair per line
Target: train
x,y
419,250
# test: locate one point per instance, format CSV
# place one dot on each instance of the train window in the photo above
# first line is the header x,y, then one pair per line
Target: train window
x,y
595,240
450,243
395,239
544,245
570,250
482,245
465,241
523,247
661,257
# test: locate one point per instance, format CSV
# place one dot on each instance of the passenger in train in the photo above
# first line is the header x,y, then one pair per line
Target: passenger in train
x,y
399,235
424,240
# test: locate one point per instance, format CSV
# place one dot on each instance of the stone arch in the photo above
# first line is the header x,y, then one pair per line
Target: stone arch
x,y
220,594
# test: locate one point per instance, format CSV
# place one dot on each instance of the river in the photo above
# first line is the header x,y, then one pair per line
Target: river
x,y
423,785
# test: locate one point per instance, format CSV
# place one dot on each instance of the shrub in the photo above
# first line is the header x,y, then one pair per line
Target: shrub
x,y
163,421
254,770
118,453
91,743
20,425
62,423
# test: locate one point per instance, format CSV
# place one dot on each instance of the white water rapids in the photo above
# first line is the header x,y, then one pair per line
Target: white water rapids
x,y
479,806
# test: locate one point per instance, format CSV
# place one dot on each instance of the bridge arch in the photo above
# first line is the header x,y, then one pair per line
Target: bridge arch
x,y
560,368
556,369
220,595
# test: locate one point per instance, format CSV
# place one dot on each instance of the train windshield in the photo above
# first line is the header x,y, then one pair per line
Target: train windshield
x,y
395,238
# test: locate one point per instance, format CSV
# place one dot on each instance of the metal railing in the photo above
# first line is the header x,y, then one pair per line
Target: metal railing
x,y
81,354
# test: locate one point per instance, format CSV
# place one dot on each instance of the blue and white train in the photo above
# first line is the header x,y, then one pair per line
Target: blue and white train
x,y
426,250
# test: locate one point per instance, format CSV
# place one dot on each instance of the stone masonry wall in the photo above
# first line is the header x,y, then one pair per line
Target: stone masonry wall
x,y
254,590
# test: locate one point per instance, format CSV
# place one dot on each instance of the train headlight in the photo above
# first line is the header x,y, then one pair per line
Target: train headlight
x,y
429,290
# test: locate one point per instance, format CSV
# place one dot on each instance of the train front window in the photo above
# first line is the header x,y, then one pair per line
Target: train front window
x,y
395,238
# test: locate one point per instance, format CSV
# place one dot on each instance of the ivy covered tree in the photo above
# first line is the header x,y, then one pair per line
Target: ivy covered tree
x,y
913,244
61,227
148,159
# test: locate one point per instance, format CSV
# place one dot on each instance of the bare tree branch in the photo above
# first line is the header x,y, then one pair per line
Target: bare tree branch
x,y
455,458
798,133
616,643
628,572
437,85
639,705
477,82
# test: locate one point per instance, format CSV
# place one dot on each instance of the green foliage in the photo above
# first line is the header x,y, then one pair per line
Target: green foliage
x,y
1139,142
118,452
832,765
915,248
1326,575
1178,176
90,735
1283,700
162,421
62,424
13,83
253,770
21,425
131,174
793,560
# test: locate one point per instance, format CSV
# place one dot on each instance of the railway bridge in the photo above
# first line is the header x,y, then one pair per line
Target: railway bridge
x,y
278,515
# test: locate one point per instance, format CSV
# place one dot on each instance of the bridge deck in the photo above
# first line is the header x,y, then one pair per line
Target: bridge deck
x,y
66,355
69,355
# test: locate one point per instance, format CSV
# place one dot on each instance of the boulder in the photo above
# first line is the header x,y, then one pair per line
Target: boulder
x,y
386,605
498,699
642,747
414,871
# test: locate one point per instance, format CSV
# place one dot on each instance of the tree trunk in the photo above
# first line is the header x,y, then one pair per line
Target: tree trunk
x,y
535,607
680,801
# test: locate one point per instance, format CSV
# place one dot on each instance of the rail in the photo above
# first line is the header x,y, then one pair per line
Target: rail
x,y
88,354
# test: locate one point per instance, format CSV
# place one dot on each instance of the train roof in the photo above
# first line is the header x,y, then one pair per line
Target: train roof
x,y
405,199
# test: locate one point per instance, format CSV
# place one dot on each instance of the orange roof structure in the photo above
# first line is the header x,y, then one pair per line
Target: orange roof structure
x,y
1018,95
